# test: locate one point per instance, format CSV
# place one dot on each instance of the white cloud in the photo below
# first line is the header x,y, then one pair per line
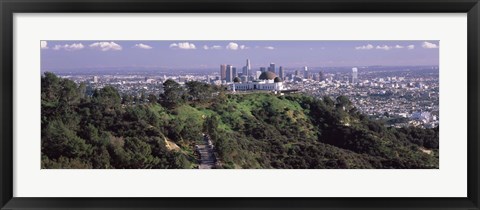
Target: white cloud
x,y
243,47
73,47
43,45
183,46
57,47
429,45
69,47
143,46
235,46
383,47
232,46
106,46
229,46
214,47
270,48
365,47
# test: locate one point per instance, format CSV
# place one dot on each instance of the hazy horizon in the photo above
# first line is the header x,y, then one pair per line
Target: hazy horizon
x,y
180,54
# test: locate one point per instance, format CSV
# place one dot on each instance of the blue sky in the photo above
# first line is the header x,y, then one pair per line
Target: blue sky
x,y
187,54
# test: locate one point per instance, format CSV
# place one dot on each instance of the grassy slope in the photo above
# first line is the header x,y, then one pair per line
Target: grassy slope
x,y
291,127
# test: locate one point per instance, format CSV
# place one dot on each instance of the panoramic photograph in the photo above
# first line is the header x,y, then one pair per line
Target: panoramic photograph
x,y
239,104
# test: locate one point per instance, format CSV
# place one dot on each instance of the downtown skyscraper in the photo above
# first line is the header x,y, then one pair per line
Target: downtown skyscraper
x,y
281,72
229,73
354,75
247,68
305,72
272,67
223,72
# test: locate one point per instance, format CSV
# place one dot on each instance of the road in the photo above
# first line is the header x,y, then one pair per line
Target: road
x,y
207,155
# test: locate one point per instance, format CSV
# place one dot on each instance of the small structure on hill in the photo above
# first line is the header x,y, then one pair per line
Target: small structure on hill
x,y
266,81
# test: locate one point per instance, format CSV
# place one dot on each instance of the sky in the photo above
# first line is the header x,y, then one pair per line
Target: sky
x,y
190,54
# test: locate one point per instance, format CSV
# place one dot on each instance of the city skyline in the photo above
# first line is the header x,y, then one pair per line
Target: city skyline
x,y
64,55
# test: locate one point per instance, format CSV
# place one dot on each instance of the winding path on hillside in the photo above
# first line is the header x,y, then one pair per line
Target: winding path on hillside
x,y
207,155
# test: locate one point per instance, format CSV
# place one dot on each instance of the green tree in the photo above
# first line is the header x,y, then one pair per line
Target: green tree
x,y
108,97
173,94
344,103
198,90
58,140
328,101
143,98
152,99
127,99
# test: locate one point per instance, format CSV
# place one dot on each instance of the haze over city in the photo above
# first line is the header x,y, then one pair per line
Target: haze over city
x,y
66,55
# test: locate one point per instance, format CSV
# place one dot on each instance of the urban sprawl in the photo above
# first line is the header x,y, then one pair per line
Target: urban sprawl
x,y
402,96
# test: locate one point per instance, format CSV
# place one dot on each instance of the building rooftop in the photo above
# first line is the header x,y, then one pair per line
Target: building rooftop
x,y
267,75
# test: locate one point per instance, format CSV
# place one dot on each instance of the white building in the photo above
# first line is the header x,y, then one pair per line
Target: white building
x,y
266,81
354,75
422,116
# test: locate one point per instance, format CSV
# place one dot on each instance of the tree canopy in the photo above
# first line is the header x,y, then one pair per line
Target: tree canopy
x,y
258,130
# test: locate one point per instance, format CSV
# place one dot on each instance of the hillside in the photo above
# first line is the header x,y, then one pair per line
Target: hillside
x,y
258,130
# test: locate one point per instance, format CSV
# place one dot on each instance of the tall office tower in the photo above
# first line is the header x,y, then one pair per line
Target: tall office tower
x,y
272,67
249,68
245,71
95,79
297,73
321,76
223,72
305,72
229,74
234,73
281,73
262,69
354,75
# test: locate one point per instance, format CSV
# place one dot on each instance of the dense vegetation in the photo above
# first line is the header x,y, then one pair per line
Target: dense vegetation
x,y
258,130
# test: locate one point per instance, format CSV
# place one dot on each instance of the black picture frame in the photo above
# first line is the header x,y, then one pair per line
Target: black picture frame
x,y
10,7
